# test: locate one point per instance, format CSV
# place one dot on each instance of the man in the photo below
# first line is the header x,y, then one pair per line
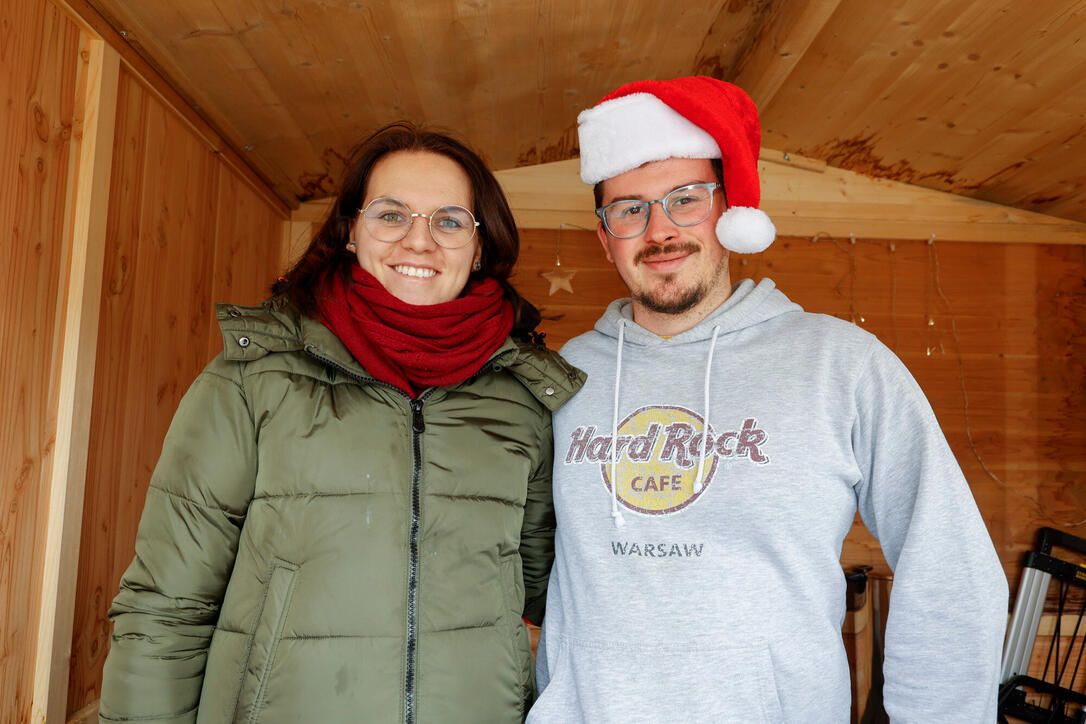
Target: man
x,y
698,573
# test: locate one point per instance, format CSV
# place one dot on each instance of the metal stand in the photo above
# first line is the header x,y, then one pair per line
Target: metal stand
x,y
1051,697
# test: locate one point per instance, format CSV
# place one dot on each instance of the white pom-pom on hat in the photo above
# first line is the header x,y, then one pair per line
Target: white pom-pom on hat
x,y
745,230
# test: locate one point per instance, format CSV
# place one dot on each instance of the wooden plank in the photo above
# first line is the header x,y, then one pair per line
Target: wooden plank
x,y
248,251
780,45
84,247
299,235
805,198
303,87
163,33
311,211
261,178
38,79
109,477
727,39
977,97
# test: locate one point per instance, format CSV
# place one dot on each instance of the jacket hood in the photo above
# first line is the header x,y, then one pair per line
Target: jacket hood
x,y
276,326
749,304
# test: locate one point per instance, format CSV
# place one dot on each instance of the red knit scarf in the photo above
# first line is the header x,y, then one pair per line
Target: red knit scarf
x,y
415,346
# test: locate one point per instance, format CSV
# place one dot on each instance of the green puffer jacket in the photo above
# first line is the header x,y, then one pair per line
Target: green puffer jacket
x,y
318,547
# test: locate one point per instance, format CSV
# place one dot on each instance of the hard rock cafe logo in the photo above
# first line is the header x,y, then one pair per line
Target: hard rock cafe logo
x,y
659,448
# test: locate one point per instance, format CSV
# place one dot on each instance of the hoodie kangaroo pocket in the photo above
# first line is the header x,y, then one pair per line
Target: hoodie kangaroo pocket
x,y
693,682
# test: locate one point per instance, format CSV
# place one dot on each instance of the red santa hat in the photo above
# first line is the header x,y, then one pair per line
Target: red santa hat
x,y
695,117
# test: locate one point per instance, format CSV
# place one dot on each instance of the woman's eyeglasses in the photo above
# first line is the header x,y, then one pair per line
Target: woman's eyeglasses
x,y
389,220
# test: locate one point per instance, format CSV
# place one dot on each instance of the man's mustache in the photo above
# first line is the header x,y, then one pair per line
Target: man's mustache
x,y
651,251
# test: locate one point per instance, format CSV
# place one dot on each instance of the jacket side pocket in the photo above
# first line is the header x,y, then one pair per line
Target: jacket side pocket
x,y
264,640
516,630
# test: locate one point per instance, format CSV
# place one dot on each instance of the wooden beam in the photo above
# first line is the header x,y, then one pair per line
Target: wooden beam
x,y
805,197
298,236
304,223
311,211
84,246
803,200
781,43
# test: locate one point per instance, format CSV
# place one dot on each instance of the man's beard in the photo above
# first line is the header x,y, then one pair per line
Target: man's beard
x,y
672,301
661,304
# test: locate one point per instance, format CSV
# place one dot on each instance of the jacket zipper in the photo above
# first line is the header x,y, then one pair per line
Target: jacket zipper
x,y
418,426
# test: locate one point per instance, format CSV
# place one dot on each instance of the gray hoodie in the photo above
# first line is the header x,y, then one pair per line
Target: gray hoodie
x,y
706,586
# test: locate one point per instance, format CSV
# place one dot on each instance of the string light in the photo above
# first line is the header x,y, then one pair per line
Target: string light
x,y
893,295
936,287
853,314
932,280
852,280
934,295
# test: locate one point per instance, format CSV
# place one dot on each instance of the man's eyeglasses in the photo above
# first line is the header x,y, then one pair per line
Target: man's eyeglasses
x,y
387,219
685,206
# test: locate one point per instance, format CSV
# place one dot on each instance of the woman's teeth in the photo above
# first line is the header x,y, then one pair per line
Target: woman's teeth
x,y
414,271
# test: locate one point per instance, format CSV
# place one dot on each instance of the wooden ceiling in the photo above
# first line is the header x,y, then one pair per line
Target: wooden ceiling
x,y
985,98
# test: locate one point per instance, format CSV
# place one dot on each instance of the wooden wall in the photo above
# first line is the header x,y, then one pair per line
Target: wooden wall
x,y
39,50
184,231
994,333
184,225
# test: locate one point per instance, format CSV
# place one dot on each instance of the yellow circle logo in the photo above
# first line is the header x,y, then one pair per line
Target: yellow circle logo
x,y
658,454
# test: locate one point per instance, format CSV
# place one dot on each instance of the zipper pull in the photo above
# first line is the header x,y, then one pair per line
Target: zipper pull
x,y
417,423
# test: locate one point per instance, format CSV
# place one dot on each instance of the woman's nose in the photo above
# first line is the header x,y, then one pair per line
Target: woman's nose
x,y
418,237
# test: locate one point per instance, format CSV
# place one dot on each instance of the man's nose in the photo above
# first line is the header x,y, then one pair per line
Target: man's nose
x,y
660,227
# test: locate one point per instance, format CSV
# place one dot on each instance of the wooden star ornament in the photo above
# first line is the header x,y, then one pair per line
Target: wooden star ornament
x,y
559,278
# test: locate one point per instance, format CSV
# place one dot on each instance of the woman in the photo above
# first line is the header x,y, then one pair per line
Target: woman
x,y
352,510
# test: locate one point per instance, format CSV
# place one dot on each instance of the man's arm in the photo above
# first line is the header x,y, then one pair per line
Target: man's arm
x,y
948,606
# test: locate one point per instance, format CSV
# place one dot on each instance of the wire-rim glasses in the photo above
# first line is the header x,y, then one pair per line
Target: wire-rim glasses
x,y
685,206
389,220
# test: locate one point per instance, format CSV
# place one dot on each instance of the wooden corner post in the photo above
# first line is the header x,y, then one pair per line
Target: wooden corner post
x,y
79,300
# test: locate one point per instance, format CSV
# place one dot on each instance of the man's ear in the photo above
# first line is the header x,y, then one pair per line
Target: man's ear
x,y
603,236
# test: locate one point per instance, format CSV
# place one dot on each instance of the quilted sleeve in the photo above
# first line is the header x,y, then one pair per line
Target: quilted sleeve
x,y
170,595
537,531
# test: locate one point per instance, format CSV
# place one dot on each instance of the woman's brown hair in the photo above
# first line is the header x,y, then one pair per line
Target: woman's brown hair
x,y
327,252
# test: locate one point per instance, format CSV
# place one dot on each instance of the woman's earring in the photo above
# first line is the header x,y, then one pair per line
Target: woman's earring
x,y
477,265
352,246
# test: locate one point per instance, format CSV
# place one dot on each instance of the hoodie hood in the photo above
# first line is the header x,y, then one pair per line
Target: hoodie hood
x,y
749,304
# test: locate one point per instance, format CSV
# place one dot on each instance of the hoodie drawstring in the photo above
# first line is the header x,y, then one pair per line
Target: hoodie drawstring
x,y
616,514
705,417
